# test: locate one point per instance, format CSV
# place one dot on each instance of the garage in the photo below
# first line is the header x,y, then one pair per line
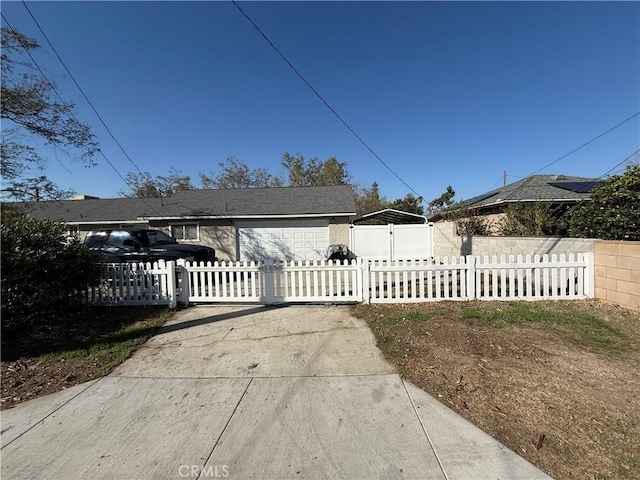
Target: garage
x,y
283,239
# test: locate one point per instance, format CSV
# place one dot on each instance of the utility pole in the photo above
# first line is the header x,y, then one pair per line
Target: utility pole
x,y
504,178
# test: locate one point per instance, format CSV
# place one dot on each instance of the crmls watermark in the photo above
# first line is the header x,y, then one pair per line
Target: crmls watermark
x,y
209,471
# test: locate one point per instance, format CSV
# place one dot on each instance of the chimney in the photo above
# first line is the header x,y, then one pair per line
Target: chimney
x,y
84,197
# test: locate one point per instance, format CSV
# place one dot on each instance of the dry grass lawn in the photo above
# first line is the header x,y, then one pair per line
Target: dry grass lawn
x,y
557,382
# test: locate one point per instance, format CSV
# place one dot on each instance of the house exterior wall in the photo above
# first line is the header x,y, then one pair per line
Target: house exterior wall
x,y
218,234
339,232
222,238
617,266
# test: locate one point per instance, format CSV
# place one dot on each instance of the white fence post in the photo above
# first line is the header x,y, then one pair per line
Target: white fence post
x,y
268,272
363,281
170,268
471,277
589,275
182,278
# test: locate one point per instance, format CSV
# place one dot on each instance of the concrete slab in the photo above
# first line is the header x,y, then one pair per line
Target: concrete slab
x,y
259,342
252,392
357,427
127,428
465,450
18,420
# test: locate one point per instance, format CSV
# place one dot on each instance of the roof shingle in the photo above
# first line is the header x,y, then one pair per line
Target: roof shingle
x,y
229,203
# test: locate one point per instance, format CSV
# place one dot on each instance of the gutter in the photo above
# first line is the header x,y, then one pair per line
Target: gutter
x,y
244,217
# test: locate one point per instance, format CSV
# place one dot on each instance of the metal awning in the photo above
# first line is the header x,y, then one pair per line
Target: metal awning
x,y
390,215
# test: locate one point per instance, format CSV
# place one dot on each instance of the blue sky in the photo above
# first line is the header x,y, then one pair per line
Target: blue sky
x,y
446,93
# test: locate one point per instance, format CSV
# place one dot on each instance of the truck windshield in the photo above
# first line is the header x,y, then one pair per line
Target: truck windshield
x,y
150,238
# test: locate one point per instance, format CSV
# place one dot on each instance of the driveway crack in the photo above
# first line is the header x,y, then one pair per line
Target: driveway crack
x,y
226,426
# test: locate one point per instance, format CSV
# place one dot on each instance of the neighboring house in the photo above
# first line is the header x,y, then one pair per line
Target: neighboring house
x,y
560,191
241,224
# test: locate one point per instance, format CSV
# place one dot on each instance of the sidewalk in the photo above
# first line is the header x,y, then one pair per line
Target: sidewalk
x,y
251,392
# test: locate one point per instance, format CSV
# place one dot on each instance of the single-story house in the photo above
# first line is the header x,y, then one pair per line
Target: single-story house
x,y
241,224
559,190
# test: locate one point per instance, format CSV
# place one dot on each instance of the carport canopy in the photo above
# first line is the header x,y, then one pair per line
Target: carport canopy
x,y
389,215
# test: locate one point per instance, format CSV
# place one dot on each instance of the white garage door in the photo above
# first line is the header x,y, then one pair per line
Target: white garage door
x,y
283,240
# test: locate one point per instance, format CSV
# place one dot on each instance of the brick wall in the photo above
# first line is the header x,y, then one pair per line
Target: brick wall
x,y
617,267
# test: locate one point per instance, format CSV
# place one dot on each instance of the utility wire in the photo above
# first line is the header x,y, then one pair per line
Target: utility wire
x,y
317,94
55,90
528,177
80,88
616,166
587,143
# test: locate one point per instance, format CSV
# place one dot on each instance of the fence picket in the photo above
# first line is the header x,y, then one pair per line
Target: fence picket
x,y
457,278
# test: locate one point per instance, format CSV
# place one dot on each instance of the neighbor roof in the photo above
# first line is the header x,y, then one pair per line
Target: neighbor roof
x,y
225,203
538,188
549,188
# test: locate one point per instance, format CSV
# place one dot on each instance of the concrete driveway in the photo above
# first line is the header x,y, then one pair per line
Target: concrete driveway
x,y
251,392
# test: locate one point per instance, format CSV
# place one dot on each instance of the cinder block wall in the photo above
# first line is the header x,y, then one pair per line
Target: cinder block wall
x,y
618,272
447,243
527,245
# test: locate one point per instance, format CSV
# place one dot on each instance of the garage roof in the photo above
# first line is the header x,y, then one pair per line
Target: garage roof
x,y
390,215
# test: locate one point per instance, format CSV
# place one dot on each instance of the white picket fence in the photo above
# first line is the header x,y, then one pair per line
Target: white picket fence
x,y
273,281
129,284
531,277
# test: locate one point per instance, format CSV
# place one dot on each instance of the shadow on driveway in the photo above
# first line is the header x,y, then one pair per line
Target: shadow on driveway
x,y
218,318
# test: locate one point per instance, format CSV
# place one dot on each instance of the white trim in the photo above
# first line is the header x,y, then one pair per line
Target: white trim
x,y
108,222
250,217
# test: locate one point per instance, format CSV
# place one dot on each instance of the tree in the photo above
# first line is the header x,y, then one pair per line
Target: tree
x,y
143,185
443,201
305,173
467,221
530,220
613,213
43,276
32,111
236,174
368,200
409,203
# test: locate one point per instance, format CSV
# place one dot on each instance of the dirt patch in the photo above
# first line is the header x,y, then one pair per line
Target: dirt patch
x,y
566,400
90,348
27,378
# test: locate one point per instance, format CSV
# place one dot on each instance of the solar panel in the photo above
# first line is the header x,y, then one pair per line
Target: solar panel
x,y
576,187
480,198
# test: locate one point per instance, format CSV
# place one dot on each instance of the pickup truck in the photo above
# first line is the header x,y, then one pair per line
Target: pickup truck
x,y
143,245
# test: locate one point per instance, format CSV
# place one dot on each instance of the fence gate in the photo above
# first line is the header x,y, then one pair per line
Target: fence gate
x,y
392,242
272,281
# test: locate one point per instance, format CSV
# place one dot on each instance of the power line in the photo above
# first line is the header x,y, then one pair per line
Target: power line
x,y
55,91
317,94
80,88
617,165
528,177
587,143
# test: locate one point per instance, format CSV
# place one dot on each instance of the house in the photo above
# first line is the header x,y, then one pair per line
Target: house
x,y
560,191
241,224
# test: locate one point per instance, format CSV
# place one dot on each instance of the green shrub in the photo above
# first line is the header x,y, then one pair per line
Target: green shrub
x,y
613,213
43,275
